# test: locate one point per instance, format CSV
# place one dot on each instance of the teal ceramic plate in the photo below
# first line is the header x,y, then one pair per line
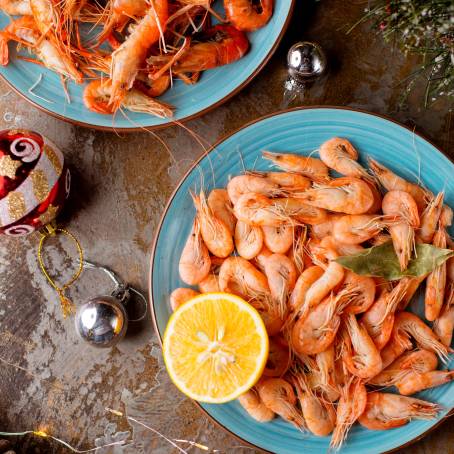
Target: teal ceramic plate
x,y
300,131
215,86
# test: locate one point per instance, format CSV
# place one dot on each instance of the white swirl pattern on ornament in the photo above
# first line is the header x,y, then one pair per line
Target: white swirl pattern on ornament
x,y
19,230
29,149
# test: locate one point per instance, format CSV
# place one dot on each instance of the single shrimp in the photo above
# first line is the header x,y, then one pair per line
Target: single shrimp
x,y
252,403
398,343
387,411
279,359
409,323
214,231
127,59
298,211
416,382
363,292
244,184
16,7
361,356
325,228
352,404
195,262
247,15
277,394
261,257
319,416
281,274
340,155
325,382
444,324
358,228
286,180
436,282
303,283
402,204
416,361
97,95
220,205
240,277
312,168
392,182
278,239
316,332
429,219
224,44
25,31
257,210
378,320
180,296
248,240
347,195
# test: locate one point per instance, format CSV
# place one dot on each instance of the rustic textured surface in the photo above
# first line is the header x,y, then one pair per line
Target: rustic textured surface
x,y
120,186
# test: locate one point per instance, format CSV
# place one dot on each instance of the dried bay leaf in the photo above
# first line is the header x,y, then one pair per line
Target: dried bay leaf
x,y
382,261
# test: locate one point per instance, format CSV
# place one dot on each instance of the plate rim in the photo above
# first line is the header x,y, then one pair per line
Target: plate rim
x,y
194,116
180,183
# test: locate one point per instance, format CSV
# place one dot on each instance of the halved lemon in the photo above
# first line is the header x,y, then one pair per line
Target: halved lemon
x,y
215,347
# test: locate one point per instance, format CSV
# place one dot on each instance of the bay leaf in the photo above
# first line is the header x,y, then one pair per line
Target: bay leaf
x,y
382,261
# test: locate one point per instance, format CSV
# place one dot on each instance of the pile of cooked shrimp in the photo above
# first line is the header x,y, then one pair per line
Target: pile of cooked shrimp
x,y
146,44
336,338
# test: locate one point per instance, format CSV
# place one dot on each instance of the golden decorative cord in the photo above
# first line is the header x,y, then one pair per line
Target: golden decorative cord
x,y
46,232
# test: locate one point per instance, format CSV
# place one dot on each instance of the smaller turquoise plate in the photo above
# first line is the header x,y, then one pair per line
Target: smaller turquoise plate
x,y
214,87
298,131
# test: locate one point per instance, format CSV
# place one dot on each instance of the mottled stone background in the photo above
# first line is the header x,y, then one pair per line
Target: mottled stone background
x,y
120,186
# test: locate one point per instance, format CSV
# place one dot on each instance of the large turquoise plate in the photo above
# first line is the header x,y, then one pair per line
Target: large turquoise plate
x,y
300,131
215,86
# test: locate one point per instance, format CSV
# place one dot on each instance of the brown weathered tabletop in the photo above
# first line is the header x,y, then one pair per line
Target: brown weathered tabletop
x,y
120,187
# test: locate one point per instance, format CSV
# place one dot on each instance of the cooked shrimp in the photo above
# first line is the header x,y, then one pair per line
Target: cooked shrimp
x,y
247,15
362,292
357,228
257,210
378,320
214,231
416,361
325,228
286,180
97,95
398,343
436,282
392,182
444,324
220,206
261,257
402,204
352,404
297,210
326,375
423,335
244,184
239,276
347,195
303,283
16,7
248,240
25,31
340,155
319,416
361,356
45,14
210,284
180,296
278,239
387,411
416,382
296,252
279,359
316,332
127,59
277,394
413,284
330,242
429,219
378,198
281,274
270,316
312,168
252,403
195,260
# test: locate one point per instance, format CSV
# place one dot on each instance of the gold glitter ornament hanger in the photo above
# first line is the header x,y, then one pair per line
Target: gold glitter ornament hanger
x,y
50,230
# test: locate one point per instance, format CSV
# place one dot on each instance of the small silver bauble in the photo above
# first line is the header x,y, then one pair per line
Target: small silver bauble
x,y
102,321
306,61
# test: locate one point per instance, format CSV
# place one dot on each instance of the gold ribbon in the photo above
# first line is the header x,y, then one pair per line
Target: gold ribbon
x,y
46,232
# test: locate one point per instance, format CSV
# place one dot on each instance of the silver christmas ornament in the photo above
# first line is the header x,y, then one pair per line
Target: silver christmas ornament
x,y
103,321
